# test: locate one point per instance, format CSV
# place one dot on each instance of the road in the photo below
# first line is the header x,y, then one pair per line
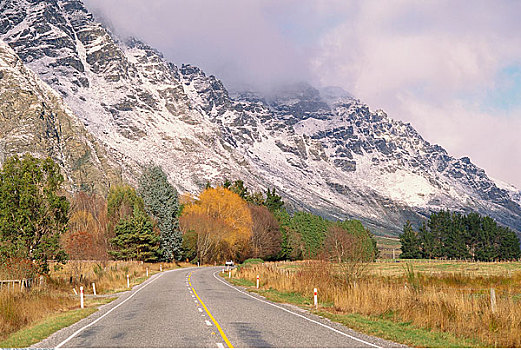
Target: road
x,y
195,308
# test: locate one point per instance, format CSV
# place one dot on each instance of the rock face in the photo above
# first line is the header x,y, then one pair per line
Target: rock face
x,y
34,120
324,150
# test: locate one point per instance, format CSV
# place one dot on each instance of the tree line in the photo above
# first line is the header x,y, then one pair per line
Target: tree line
x,y
454,235
40,222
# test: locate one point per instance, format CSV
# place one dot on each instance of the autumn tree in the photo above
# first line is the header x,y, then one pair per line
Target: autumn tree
x,y
222,222
33,210
85,237
266,237
161,202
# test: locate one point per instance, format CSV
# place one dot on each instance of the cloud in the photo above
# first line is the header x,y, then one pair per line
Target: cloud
x,y
441,65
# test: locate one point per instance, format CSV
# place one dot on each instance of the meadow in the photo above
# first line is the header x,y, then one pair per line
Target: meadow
x,y
451,298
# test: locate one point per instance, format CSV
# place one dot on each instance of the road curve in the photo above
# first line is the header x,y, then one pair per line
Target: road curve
x,y
195,308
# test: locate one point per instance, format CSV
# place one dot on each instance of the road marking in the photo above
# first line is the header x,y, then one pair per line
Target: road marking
x,y
200,310
208,323
296,314
152,279
225,338
220,345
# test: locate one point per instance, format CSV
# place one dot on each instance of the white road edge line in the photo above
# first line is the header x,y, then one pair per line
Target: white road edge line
x,y
208,323
220,345
200,310
296,314
154,278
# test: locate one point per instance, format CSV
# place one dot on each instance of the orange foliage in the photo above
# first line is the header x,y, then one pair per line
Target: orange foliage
x,y
85,238
222,221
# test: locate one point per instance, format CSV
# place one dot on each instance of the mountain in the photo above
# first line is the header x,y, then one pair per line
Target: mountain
x,y
33,119
323,150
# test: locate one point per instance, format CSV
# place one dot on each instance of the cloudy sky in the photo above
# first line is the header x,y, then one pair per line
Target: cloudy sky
x,y
451,68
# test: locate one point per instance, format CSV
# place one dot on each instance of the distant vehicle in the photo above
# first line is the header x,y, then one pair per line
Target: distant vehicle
x,y
229,264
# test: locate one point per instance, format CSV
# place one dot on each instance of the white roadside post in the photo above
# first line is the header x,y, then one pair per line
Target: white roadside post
x,y
161,267
493,300
147,271
74,290
257,281
198,264
230,274
315,298
128,281
81,297
94,288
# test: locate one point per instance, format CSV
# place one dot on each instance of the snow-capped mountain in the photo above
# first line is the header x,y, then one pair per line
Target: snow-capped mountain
x,y
324,150
33,119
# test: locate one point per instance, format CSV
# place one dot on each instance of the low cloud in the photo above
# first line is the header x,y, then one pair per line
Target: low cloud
x,y
431,63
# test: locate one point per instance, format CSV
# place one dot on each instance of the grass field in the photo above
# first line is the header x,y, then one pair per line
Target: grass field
x,y
419,303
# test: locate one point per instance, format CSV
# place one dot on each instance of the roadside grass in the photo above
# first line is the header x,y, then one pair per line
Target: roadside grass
x,y
55,297
35,333
400,332
448,304
379,326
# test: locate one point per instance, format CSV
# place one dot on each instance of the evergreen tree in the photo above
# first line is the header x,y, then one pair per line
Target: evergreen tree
x,y
410,243
273,201
135,239
33,215
161,202
239,188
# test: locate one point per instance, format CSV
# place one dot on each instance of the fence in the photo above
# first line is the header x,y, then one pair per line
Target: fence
x,y
21,284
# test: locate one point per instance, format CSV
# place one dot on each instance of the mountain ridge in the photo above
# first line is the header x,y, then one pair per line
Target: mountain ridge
x,y
323,150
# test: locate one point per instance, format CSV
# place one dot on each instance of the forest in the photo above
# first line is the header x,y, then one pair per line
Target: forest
x,y
40,222
454,235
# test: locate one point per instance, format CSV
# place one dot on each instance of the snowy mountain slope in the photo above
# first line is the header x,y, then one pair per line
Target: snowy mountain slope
x,y
324,150
34,119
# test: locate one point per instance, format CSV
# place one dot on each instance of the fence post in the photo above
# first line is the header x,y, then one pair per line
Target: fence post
x,y
493,300
94,288
81,298
257,281
315,298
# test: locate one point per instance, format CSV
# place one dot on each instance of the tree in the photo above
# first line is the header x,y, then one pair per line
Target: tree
x,y
33,214
266,237
122,203
85,237
161,202
222,222
135,239
273,201
410,243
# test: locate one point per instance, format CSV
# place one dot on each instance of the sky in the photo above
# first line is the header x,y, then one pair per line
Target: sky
x,y
451,68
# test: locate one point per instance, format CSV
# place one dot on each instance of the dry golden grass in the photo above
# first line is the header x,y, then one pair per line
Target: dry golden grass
x,y
21,309
449,301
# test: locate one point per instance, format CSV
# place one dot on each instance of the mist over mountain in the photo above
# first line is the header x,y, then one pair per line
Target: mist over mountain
x,y
324,150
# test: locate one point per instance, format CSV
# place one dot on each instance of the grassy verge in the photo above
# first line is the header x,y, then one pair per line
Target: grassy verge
x,y
38,332
400,332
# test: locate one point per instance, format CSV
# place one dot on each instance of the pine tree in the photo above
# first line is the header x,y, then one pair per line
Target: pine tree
x,y
135,239
273,201
161,202
410,243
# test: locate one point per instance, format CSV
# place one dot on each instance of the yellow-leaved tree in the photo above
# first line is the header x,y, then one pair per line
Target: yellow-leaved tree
x,y
217,226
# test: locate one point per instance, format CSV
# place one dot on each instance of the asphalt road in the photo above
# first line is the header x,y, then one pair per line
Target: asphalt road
x,y
195,308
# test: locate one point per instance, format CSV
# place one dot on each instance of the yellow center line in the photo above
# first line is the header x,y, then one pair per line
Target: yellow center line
x,y
225,338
